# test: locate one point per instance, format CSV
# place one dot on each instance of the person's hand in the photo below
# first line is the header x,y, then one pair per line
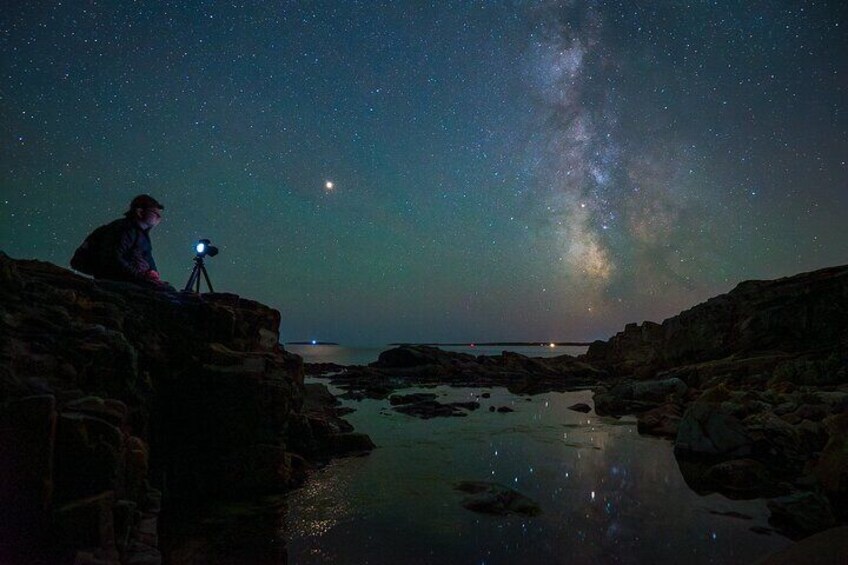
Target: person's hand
x,y
152,277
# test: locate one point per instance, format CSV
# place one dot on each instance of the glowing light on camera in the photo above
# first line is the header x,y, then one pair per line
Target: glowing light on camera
x,y
204,248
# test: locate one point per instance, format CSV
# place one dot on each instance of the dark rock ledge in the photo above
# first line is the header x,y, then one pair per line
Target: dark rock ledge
x,y
119,405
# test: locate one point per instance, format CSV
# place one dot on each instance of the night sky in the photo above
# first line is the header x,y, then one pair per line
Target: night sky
x,y
499,170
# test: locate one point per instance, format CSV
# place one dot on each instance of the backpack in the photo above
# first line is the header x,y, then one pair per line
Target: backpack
x,y
87,257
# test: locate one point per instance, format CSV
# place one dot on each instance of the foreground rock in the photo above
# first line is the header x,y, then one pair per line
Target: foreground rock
x,y
496,499
108,388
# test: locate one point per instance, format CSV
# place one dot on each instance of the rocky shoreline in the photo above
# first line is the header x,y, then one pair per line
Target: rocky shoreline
x,y
751,387
121,405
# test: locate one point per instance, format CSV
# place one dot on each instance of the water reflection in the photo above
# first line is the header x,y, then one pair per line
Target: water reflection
x,y
607,494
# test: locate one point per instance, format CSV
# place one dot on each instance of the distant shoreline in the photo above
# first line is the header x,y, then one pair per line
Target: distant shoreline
x,y
464,344
502,344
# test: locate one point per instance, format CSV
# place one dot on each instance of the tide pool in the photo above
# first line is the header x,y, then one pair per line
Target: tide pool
x,y
608,495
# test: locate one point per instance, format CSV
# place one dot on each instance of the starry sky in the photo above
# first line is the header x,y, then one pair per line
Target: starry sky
x,y
436,171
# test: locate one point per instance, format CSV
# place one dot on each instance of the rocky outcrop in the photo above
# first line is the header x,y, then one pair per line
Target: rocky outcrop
x,y
753,388
422,365
802,313
113,396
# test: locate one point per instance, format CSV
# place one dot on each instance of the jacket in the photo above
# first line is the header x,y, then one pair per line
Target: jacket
x,y
125,253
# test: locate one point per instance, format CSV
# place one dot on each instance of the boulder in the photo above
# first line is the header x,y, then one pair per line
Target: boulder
x,y
775,441
740,478
831,468
712,430
496,499
636,396
662,421
409,356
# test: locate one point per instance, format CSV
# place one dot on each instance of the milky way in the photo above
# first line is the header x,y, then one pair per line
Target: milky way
x,y
448,171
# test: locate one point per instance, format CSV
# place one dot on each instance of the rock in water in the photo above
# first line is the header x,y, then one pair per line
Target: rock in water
x,y
398,399
426,409
497,499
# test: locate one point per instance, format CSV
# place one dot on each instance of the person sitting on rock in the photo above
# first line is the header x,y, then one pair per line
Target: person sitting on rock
x,y
121,250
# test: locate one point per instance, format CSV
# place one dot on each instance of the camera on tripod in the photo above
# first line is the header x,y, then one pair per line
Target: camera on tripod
x,y
203,248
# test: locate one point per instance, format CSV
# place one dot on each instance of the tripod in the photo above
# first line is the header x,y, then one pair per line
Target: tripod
x,y
193,284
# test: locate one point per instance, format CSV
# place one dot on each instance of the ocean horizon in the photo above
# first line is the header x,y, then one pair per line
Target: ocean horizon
x,y
363,355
